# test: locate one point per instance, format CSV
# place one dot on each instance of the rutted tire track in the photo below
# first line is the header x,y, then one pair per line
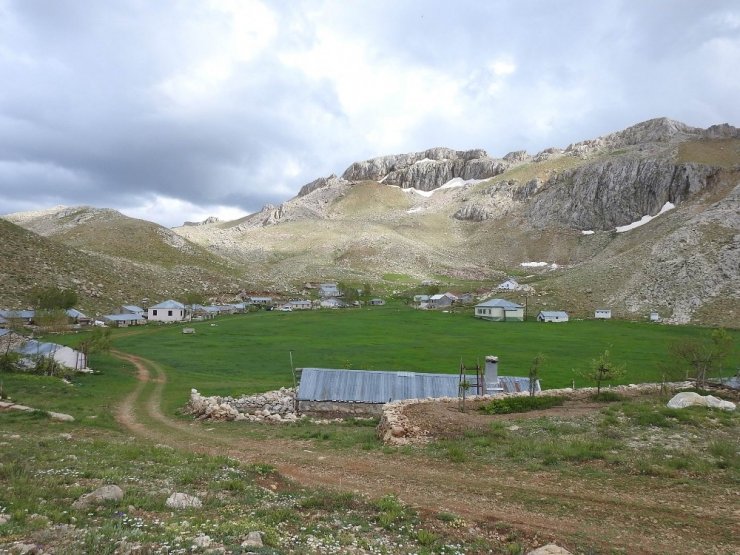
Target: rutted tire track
x,y
606,518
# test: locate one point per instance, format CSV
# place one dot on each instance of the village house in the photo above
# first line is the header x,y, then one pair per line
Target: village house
x,y
654,317
552,316
500,310
603,314
366,391
124,320
465,298
31,350
25,317
327,290
300,305
168,311
509,285
78,318
332,303
419,299
376,302
133,309
261,301
441,300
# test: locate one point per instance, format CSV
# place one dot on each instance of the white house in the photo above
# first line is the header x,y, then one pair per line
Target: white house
x,y
376,302
603,314
168,311
300,305
552,316
654,317
510,285
264,301
500,310
332,303
329,290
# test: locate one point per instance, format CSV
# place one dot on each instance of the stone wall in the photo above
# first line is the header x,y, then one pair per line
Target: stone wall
x,y
396,429
274,406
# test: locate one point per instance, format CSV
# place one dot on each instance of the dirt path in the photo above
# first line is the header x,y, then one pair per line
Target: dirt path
x,y
552,506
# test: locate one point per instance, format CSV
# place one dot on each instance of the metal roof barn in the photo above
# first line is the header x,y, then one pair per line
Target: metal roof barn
x,y
374,386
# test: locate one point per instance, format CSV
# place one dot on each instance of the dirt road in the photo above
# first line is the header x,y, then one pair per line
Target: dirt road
x,y
556,506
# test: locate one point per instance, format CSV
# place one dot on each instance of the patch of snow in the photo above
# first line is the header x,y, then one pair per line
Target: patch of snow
x,y
587,232
645,219
423,161
533,264
419,192
459,182
384,178
414,210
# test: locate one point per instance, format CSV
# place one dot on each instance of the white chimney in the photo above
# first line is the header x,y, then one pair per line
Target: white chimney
x,y
491,377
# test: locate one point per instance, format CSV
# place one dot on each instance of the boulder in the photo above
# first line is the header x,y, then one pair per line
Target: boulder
x,y
99,496
183,501
692,399
61,417
253,539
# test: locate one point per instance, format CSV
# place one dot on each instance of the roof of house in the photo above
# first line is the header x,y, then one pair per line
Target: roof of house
x,y
499,303
299,302
421,297
260,298
25,314
168,304
4,332
373,386
133,308
553,313
123,317
74,313
33,347
3,320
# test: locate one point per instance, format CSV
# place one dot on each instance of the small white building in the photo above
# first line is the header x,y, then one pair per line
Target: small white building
x,y
509,285
603,314
376,302
300,305
654,317
124,320
442,300
332,303
327,290
552,316
500,310
261,301
133,309
168,311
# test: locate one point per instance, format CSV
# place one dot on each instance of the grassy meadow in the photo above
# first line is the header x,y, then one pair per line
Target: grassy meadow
x,y
249,353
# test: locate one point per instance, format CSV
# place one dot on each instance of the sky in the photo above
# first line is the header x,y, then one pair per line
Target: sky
x,y
177,110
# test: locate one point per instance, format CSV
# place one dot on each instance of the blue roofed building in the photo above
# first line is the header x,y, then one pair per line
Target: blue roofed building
x,y
500,310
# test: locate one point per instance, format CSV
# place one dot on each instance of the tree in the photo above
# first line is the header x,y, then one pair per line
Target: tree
x,y
534,373
52,320
349,293
432,290
603,369
703,356
367,292
193,297
53,298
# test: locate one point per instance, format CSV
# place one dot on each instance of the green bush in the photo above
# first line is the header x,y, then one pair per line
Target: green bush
x,y
508,405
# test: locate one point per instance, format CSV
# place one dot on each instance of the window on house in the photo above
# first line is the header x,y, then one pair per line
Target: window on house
x,y
169,313
154,312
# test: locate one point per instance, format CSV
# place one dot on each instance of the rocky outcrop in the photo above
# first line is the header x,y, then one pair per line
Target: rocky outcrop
x,y
427,170
472,213
613,192
693,399
105,494
180,500
320,183
207,221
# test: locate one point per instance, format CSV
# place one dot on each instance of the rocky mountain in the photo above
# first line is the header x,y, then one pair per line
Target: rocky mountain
x,y
467,215
642,219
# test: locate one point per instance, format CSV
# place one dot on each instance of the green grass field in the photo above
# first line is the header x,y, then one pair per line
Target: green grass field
x,y
251,352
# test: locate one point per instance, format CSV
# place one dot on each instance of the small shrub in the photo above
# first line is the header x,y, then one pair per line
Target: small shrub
x,y
457,454
508,405
426,538
447,517
607,397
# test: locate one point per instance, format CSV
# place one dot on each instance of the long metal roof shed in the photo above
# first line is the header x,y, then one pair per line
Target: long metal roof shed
x,y
374,386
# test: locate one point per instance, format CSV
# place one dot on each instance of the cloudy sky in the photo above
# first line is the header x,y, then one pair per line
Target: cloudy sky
x,y
176,110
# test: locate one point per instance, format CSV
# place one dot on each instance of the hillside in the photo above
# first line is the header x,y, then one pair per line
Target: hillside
x,y
103,282
454,215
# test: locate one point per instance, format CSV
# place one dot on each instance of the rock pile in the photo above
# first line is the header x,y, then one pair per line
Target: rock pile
x,y
271,406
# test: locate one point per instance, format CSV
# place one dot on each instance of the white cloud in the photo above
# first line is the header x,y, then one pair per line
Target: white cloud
x,y
172,212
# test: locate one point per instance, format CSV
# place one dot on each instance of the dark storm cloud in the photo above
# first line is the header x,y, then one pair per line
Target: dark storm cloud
x,y
162,108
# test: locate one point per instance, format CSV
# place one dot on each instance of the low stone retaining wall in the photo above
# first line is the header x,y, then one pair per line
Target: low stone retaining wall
x,y
274,406
396,429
